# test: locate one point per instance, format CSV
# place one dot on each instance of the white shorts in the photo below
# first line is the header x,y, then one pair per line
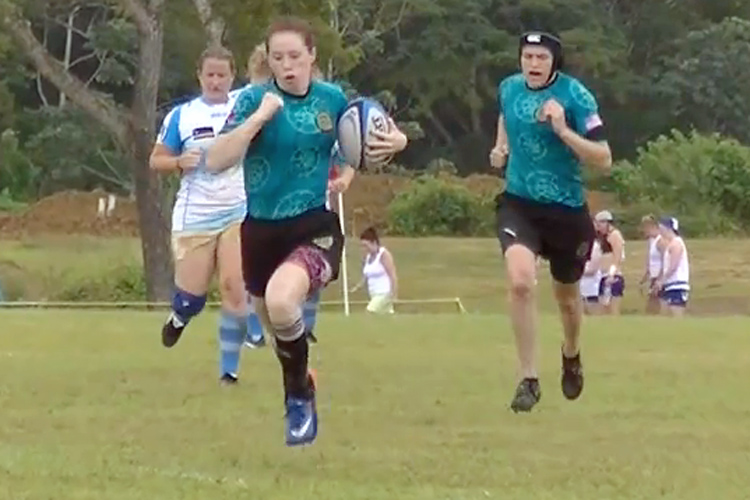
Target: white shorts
x,y
381,304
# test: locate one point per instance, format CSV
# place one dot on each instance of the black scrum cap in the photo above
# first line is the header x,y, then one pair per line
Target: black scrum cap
x,y
548,41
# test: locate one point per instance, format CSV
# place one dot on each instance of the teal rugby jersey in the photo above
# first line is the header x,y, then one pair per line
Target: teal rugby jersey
x,y
541,167
286,165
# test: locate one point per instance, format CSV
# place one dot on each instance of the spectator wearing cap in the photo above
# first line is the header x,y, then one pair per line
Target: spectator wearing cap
x,y
673,285
612,287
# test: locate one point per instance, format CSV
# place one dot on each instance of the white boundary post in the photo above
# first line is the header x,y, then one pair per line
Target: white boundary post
x,y
344,274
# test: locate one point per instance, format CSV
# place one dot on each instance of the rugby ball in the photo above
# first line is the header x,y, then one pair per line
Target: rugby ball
x,y
355,126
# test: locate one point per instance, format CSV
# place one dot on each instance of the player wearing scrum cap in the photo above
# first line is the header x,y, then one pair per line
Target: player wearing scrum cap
x,y
548,128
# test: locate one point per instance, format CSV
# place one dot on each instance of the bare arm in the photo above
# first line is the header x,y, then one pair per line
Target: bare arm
x,y
675,254
346,176
584,138
390,269
501,137
169,154
594,153
499,154
618,244
359,285
592,266
229,149
163,159
362,281
646,270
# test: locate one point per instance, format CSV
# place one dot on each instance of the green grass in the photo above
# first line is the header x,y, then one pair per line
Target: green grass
x,y
48,268
412,408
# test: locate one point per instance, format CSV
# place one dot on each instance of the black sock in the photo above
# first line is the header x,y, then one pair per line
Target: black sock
x,y
293,358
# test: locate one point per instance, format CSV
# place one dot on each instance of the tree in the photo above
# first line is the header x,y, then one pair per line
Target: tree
x,y
212,23
132,129
706,78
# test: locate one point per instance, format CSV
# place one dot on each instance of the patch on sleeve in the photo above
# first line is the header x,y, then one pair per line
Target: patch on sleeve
x,y
593,121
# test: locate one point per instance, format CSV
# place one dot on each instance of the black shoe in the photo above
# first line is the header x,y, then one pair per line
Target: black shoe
x,y
228,379
171,331
572,376
311,337
528,394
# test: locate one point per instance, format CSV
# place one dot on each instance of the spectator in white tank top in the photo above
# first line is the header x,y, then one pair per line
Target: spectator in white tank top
x,y
654,256
673,284
379,273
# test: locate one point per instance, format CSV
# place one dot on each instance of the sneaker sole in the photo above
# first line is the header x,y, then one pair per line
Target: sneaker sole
x,y
170,341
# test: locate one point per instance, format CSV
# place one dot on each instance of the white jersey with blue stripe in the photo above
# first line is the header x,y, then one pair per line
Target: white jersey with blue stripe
x,y
206,202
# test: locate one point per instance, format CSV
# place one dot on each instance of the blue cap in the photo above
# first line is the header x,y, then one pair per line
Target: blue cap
x,y
670,223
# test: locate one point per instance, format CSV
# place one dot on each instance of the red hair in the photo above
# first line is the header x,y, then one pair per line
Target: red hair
x,y
294,25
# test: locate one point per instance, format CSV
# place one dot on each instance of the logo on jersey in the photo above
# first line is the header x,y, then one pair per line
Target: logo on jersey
x,y
593,122
324,122
326,242
203,133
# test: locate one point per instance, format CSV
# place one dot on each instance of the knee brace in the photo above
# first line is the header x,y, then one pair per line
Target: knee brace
x,y
186,305
286,320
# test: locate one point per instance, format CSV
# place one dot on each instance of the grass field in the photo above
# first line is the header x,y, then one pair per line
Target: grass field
x,y
413,407
428,267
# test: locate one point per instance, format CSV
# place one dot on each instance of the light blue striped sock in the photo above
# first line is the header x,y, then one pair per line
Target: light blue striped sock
x,y
310,311
254,326
232,330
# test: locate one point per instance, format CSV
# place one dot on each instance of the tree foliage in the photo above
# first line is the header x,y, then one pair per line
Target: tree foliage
x,y
655,66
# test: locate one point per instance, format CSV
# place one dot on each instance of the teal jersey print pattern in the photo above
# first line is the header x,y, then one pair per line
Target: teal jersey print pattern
x,y
541,167
286,165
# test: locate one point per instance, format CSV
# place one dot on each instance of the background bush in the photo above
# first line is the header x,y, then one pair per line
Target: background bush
x,y
436,206
703,180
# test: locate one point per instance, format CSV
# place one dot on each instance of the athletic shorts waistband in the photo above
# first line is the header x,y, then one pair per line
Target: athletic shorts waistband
x,y
533,204
286,220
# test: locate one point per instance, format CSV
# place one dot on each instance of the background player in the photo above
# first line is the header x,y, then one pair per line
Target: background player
x,y
207,213
612,288
548,126
591,280
291,243
674,283
654,258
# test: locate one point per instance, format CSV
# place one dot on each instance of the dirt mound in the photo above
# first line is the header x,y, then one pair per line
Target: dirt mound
x,y
72,212
366,202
